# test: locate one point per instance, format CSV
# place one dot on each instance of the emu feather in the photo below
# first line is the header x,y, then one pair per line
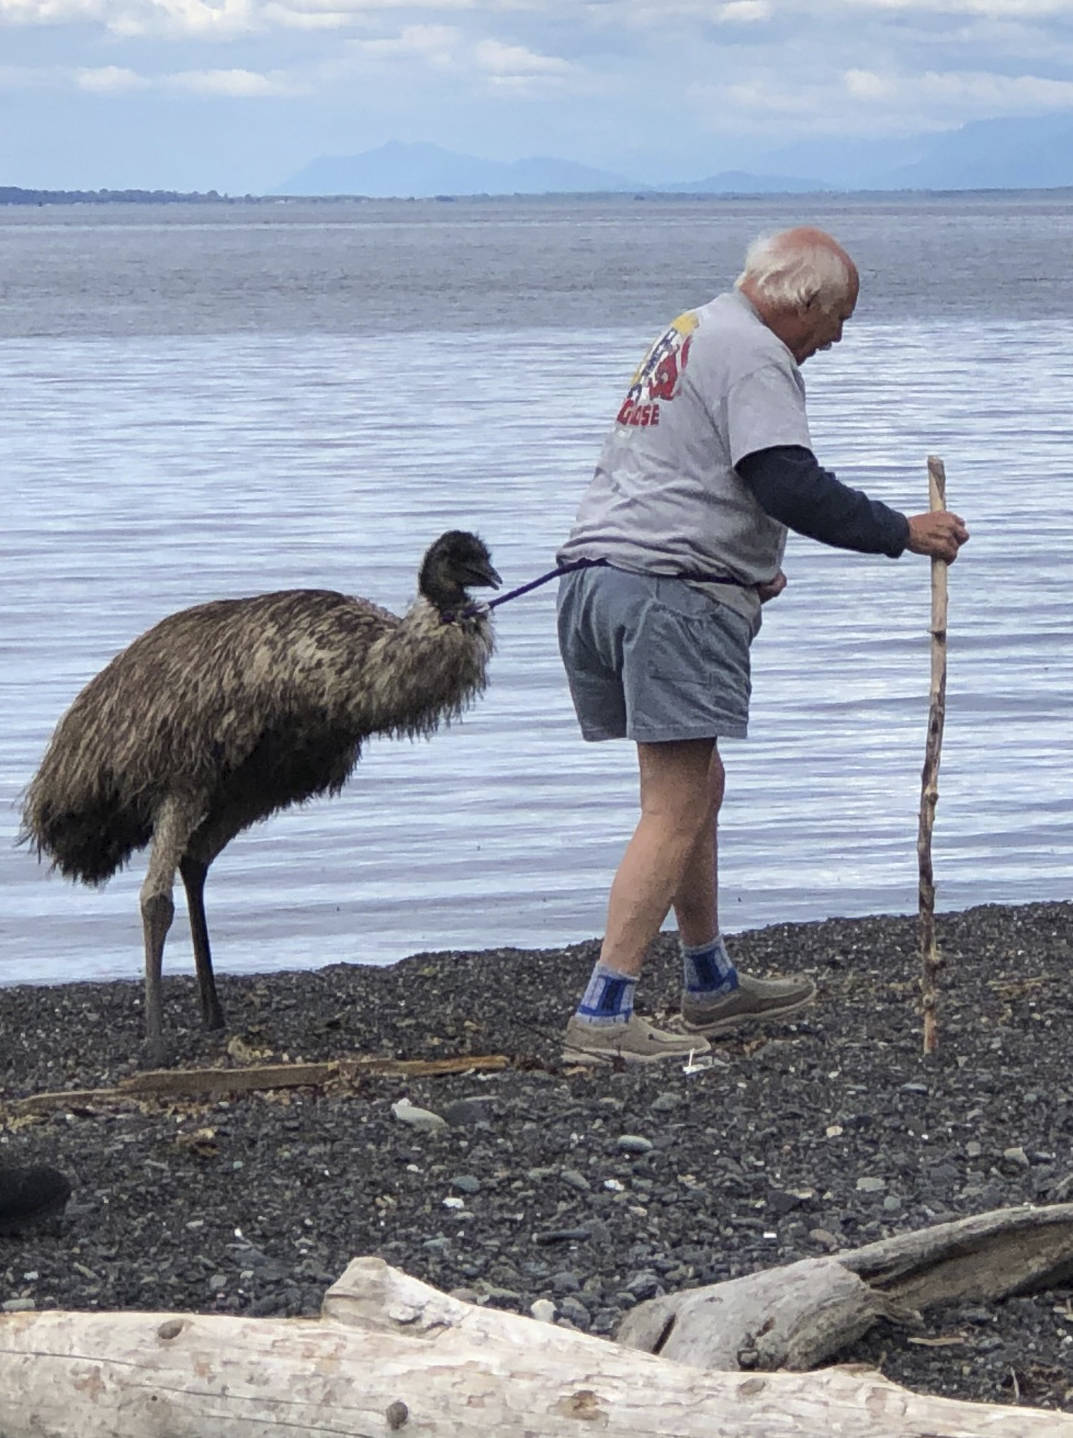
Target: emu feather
x,y
225,713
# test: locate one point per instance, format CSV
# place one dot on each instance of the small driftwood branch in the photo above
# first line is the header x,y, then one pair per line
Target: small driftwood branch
x,y
200,1083
390,1354
931,961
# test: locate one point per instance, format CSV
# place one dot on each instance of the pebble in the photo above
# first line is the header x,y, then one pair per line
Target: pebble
x,y
634,1143
825,1239
645,1284
782,1202
469,1112
565,1282
575,1179
421,1119
575,1311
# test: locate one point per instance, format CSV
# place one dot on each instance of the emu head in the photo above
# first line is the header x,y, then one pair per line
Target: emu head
x,y
456,559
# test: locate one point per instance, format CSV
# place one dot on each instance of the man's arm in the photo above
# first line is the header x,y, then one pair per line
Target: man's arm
x,y
791,487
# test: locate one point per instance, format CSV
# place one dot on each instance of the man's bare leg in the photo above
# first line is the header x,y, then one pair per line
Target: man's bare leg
x,y
675,817
673,835
696,903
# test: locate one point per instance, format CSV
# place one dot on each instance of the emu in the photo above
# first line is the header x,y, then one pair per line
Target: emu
x,y
227,712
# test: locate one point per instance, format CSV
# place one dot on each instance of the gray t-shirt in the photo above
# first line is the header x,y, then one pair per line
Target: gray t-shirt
x,y
665,498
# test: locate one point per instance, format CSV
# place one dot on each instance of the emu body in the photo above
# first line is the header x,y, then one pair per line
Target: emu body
x,y
222,714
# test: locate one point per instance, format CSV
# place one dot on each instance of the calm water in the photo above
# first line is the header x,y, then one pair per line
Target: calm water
x,y
210,402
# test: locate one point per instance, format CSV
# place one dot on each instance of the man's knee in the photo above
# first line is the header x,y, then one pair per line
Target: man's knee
x,y
676,793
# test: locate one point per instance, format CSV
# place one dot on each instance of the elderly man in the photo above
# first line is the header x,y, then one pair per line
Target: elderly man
x,y
681,534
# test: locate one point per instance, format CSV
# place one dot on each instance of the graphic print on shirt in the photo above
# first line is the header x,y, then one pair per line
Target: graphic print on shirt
x,y
660,374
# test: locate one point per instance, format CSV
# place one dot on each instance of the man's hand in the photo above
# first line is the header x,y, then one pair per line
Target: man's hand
x,y
771,587
938,533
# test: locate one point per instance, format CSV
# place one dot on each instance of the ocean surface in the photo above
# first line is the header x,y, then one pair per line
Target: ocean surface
x,y
202,401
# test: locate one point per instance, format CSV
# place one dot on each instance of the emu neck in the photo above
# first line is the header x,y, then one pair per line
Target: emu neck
x,y
422,671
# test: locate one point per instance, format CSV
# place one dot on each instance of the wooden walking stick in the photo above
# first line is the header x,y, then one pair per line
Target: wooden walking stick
x,y
932,962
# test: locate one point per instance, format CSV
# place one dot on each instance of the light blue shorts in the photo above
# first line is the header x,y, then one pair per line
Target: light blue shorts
x,y
652,659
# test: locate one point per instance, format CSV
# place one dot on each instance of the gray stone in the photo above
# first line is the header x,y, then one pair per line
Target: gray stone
x,y
468,1112
869,1184
634,1143
575,1179
824,1238
422,1120
645,1284
575,1311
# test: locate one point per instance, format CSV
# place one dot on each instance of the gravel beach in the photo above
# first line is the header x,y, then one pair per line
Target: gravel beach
x,y
594,1189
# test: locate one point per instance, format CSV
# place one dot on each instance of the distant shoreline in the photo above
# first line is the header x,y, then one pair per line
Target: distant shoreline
x,y
13,195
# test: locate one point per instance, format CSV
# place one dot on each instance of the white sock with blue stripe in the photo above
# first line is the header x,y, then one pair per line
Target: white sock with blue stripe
x,y
708,968
608,998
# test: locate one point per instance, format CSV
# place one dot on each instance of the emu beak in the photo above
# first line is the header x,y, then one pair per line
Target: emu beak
x,y
484,574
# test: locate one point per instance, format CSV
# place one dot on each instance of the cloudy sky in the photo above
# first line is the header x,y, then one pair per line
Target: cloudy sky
x,y
236,95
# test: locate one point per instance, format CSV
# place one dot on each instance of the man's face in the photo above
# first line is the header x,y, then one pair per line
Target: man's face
x,y
823,327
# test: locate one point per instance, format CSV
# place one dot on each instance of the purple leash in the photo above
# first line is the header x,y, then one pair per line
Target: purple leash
x,y
536,583
483,607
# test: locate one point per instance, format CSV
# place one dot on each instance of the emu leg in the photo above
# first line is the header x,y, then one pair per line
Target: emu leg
x,y
158,910
172,828
194,872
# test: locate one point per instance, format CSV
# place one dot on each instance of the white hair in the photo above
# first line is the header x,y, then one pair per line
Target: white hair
x,y
788,271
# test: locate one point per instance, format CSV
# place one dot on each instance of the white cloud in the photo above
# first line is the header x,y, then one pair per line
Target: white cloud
x,y
119,80
243,84
867,85
516,62
992,9
208,17
743,12
520,73
109,80
964,93
660,14
764,101
51,12
435,44
998,93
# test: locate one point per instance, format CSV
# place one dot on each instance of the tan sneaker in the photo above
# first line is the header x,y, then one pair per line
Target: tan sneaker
x,y
754,1001
634,1042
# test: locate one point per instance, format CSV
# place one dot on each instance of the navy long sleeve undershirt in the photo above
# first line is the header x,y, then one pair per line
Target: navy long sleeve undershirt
x,y
790,486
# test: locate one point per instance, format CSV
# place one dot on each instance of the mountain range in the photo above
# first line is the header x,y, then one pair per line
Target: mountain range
x,y
1029,153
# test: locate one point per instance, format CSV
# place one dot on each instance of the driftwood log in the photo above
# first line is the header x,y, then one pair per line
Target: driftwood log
x,y
802,1314
390,1354
165,1085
